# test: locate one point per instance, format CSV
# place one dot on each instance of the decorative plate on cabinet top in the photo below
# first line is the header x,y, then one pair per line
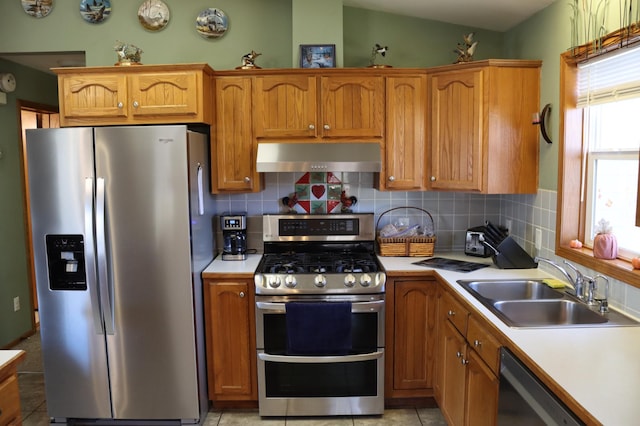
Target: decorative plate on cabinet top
x,y
95,11
37,8
153,15
212,23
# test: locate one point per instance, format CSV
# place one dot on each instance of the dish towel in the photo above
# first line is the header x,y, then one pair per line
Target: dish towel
x,y
318,328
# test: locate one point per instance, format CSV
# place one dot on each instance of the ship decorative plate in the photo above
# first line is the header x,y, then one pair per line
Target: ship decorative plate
x,y
95,11
153,15
37,8
212,23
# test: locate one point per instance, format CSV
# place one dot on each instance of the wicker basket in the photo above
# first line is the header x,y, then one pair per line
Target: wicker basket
x,y
419,245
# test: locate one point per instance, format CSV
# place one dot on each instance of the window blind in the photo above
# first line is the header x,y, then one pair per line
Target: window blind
x,y
609,78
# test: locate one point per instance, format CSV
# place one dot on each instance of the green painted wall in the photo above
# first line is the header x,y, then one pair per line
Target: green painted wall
x,y
412,42
39,88
316,22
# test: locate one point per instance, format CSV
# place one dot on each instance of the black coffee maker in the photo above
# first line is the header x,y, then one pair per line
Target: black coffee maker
x,y
234,236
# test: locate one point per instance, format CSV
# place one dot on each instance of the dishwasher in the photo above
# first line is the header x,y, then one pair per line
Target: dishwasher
x,y
524,400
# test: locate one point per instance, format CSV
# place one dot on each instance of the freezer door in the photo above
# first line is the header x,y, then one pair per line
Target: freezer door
x,y
60,187
151,349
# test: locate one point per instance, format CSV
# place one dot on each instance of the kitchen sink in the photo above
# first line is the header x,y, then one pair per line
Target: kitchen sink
x,y
529,303
546,313
511,290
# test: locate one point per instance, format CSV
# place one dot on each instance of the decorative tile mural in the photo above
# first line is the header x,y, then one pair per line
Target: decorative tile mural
x,y
318,193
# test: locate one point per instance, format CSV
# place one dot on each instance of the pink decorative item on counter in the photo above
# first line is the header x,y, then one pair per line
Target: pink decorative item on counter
x,y
605,244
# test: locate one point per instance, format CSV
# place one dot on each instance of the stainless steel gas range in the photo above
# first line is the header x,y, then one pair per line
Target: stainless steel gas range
x,y
320,317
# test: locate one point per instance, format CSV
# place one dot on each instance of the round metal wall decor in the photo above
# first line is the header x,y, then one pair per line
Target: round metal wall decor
x,y
37,8
153,15
212,23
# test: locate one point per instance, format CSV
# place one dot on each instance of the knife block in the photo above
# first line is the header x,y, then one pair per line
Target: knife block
x,y
512,256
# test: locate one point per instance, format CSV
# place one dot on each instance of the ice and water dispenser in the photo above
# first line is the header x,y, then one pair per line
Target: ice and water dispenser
x,y
65,259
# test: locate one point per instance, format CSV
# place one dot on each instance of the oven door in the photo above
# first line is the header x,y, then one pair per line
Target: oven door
x,y
295,385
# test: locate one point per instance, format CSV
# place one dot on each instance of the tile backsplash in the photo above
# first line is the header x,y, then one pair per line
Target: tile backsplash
x,y
453,213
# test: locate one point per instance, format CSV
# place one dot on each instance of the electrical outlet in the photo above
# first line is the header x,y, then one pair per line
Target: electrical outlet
x,y
16,303
538,241
508,223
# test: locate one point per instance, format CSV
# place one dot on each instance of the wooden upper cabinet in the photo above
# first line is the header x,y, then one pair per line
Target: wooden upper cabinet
x,y
233,146
404,152
285,107
352,107
481,135
145,94
456,129
303,106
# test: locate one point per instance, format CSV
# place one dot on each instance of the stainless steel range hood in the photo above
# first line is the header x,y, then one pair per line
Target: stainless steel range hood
x,y
318,157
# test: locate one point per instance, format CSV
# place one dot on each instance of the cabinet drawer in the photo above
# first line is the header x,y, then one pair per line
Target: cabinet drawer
x,y
484,344
452,310
9,401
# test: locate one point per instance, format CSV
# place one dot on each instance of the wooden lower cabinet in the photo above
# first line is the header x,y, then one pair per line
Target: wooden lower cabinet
x,y
467,366
230,339
410,338
10,414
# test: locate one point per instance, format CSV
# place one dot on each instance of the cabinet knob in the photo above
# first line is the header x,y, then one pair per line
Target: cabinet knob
x,y
326,127
120,105
477,343
458,354
241,294
312,127
464,361
247,179
136,104
451,313
392,178
433,178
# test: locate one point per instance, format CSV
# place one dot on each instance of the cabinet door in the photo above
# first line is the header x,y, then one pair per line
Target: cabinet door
x,y
9,401
414,334
85,98
285,107
404,164
164,94
352,107
234,152
457,130
482,393
453,378
231,356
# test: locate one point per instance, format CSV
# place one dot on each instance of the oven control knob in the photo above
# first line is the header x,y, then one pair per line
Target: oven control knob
x,y
349,280
274,282
320,280
290,281
365,280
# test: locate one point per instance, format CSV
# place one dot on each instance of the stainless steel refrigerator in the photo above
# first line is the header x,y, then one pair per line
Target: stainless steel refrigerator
x,y
120,235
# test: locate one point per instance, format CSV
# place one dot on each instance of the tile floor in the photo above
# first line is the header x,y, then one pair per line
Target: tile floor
x,y
34,408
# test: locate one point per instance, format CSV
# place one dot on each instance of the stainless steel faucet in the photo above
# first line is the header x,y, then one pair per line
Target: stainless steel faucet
x,y
577,282
604,302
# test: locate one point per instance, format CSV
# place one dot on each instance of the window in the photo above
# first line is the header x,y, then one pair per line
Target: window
x,y
598,157
611,171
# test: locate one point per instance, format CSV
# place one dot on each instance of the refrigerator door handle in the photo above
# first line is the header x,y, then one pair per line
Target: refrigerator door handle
x,y
90,256
200,191
103,274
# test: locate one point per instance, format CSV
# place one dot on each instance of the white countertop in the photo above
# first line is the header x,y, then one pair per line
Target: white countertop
x,y
247,266
9,356
598,367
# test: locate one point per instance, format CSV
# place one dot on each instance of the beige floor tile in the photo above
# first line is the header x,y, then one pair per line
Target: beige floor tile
x,y
391,417
248,418
431,417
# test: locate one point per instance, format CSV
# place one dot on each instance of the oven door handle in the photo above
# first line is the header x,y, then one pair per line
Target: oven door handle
x,y
374,306
293,359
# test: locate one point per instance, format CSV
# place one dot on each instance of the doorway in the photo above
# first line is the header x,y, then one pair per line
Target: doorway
x,y
32,116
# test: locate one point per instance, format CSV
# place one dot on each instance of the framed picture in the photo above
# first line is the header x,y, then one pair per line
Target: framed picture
x,y
317,56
